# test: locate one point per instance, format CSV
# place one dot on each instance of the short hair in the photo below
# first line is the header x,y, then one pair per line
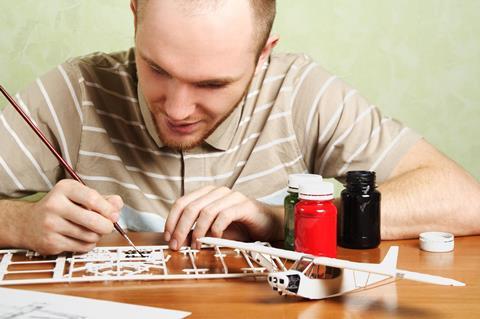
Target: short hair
x,y
263,12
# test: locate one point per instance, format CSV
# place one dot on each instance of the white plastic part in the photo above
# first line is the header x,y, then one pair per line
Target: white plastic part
x,y
437,242
337,276
429,279
295,180
309,276
121,263
316,191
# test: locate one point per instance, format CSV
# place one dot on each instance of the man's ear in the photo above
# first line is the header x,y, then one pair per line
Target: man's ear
x,y
133,7
267,49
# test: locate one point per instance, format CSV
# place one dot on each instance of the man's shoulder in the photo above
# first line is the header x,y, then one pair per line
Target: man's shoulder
x,y
289,59
105,60
115,63
294,63
105,79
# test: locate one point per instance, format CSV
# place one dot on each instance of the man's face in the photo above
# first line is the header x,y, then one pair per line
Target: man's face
x,y
194,66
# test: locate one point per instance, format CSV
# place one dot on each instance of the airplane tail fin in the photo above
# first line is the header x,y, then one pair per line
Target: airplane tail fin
x,y
390,259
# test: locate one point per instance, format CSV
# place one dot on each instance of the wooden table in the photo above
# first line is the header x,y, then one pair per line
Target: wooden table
x,y
253,298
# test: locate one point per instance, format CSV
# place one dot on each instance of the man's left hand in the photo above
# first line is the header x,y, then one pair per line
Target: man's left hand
x,y
220,212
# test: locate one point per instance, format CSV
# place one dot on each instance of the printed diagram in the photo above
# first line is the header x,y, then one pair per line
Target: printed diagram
x,y
34,310
28,304
122,263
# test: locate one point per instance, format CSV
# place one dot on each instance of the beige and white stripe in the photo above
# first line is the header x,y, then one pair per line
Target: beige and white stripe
x,y
295,117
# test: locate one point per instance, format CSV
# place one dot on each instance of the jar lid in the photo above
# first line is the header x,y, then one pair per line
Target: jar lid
x,y
437,242
294,180
316,191
356,177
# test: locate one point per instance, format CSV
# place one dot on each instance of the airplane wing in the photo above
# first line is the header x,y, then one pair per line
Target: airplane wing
x,y
255,247
386,267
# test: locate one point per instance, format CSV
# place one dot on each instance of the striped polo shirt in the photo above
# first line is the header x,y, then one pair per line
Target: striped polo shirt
x,y
295,117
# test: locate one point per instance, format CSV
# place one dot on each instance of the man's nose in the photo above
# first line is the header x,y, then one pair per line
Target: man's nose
x,y
179,103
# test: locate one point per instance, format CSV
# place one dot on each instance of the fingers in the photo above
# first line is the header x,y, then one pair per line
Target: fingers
x,y
77,246
224,219
88,219
72,217
179,206
117,202
236,231
54,244
211,210
87,197
192,211
241,221
74,231
209,213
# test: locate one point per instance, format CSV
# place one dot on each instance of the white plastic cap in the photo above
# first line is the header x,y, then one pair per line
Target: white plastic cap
x,y
294,180
316,190
436,242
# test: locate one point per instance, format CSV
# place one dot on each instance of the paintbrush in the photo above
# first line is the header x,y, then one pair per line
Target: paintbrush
x,y
58,156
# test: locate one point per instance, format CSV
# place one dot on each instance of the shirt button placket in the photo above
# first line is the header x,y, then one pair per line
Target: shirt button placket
x,y
186,173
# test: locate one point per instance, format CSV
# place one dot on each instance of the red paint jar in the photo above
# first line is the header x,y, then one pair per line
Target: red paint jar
x,y
316,220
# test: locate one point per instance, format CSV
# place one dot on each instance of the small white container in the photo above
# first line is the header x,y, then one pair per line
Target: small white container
x,y
436,242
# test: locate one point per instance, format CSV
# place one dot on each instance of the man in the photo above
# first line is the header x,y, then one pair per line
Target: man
x,y
199,127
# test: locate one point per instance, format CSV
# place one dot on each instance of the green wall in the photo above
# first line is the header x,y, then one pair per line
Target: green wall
x,y
418,60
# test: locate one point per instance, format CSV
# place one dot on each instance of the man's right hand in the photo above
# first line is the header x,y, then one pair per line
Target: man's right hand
x,y
71,217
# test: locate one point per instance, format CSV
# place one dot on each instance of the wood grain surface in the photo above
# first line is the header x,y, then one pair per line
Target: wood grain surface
x,y
253,298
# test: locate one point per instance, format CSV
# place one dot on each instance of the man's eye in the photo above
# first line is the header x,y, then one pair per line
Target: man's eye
x,y
212,85
158,71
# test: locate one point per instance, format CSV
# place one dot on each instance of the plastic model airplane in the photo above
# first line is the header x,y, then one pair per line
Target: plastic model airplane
x,y
298,274
316,277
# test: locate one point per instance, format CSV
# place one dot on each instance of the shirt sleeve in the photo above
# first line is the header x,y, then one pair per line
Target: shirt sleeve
x,y
338,130
52,102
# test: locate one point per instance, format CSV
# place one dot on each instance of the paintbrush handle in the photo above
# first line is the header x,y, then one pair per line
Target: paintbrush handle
x,y
41,136
50,146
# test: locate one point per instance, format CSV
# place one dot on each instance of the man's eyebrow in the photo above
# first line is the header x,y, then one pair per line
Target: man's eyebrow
x,y
152,63
216,81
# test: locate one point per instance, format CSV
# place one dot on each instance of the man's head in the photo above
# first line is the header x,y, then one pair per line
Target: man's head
x,y
195,60
263,12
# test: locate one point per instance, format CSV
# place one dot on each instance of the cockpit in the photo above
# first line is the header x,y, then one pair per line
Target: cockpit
x,y
284,282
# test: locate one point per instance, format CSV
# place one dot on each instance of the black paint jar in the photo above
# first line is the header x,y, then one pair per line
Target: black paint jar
x,y
359,216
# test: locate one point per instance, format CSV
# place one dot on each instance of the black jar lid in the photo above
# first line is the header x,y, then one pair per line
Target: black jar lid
x,y
360,177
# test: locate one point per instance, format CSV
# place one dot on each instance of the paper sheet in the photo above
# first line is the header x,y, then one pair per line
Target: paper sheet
x,y
20,304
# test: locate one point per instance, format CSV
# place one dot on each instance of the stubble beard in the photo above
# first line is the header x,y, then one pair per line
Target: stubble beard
x,y
187,145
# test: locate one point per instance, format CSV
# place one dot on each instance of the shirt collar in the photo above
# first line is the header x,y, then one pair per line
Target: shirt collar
x,y
222,136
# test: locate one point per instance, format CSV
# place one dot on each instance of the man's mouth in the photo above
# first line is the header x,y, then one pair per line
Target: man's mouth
x,y
183,127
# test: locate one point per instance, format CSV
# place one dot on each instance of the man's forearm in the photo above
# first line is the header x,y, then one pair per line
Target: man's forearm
x,y
12,217
430,198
